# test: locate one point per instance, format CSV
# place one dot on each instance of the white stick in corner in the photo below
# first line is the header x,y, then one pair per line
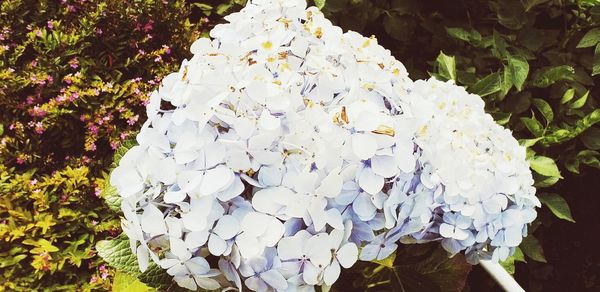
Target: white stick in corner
x,y
502,277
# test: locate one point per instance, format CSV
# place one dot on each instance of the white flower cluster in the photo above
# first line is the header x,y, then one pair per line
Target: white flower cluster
x,y
286,149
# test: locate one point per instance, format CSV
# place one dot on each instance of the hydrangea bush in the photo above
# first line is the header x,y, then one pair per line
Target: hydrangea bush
x,y
286,149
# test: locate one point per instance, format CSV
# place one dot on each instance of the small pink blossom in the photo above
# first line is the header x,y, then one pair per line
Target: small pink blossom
x,y
50,24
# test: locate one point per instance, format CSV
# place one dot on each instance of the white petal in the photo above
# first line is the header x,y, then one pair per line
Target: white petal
x,y
446,230
152,221
384,166
334,218
274,279
196,239
347,255
174,197
370,182
227,227
331,185
215,180
216,245
364,146
331,273
143,258
197,265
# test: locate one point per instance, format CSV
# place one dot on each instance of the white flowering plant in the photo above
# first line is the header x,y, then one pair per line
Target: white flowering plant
x,y
286,150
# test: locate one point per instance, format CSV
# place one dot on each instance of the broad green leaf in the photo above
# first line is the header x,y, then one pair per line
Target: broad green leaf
x,y
591,138
580,102
557,205
435,272
320,4
547,76
124,282
117,253
111,197
488,85
544,166
532,248
519,69
534,126
567,96
507,81
157,278
590,39
446,66
1,129
544,108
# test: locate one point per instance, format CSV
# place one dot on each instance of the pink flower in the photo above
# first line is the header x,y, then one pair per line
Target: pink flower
x,y
20,160
39,128
132,120
114,145
50,24
74,63
98,31
157,59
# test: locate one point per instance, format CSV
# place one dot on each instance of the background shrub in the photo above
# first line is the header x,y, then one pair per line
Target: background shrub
x,y
74,78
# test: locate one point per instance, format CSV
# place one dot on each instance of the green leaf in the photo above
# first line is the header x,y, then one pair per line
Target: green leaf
x,y
528,4
580,102
387,262
544,166
157,278
567,96
464,35
589,157
532,248
591,138
111,197
547,76
596,64
436,272
590,39
529,142
488,85
557,205
1,129
544,108
117,253
501,118
320,4
519,69
534,126
446,66
124,282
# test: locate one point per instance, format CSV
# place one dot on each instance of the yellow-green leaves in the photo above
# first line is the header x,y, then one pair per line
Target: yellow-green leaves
x,y
544,166
445,66
124,282
557,205
320,3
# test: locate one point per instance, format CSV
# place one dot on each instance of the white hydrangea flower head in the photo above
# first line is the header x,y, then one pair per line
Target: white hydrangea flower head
x,y
486,198
284,146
